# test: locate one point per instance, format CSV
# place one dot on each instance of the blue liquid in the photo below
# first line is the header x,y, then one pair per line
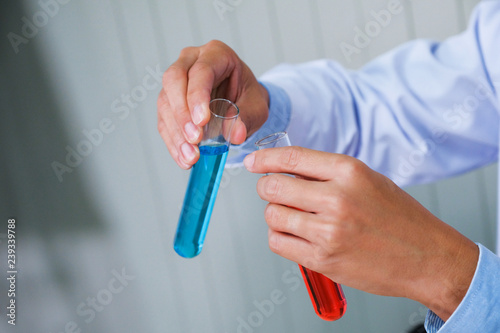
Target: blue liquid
x,y
199,201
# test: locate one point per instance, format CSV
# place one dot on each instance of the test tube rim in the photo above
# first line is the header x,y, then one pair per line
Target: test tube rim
x,y
278,136
225,100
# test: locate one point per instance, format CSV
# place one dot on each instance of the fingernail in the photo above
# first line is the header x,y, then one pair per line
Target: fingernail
x,y
187,151
198,114
248,161
192,131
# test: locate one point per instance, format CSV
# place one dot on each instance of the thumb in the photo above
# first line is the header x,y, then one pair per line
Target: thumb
x,y
254,111
239,132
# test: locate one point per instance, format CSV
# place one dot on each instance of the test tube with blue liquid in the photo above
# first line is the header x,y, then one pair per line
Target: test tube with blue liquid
x,y
205,178
327,297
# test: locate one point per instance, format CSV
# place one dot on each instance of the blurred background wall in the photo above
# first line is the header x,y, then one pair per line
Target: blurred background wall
x,y
95,238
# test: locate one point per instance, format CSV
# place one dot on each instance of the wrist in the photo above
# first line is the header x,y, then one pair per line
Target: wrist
x,y
450,275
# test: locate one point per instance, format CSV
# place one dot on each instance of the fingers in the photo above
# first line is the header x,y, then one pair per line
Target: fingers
x,y
199,75
175,85
239,132
293,248
215,70
254,98
183,103
201,80
292,192
174,119
287,245
187,153
292,221
300,161
183,153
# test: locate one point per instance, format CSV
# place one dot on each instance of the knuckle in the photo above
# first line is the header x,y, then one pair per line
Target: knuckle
x,y
331,199
162,102
281,219
271,215
214,43
187,51
352,168
293,222
330,235
339,206
273,188
291,157
172,74
198,68
333,229
321,255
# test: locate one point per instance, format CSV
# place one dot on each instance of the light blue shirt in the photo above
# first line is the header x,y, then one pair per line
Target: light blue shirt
x,y
424,111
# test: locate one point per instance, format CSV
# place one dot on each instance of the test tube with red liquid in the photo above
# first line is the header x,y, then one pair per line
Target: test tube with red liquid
x,y
326,296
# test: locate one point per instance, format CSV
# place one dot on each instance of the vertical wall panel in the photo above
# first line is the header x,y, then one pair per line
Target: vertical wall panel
x,y
257,44
206,22
142,57
95,53
468,6
296,30
338,19
464,209
384,25
486,181
436,21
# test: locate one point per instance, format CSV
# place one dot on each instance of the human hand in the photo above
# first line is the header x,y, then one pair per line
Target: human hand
x,y
357,227
199,75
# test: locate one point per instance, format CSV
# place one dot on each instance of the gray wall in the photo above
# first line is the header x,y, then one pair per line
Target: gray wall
x,y
117,210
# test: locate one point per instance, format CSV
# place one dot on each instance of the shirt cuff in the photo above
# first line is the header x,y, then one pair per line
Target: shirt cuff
x,y
478,311
277,121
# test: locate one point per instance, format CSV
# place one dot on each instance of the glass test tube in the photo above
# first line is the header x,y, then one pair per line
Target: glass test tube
x,y
326,296
205,179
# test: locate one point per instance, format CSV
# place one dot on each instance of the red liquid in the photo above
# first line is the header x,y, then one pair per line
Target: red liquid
x,y
326,296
